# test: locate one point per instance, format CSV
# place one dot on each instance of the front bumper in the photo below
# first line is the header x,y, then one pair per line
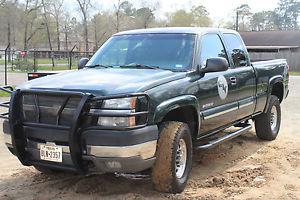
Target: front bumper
x,y
126,151
58,118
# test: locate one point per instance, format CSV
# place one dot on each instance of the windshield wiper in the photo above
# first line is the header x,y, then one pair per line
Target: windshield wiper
x,y
98,65
140,66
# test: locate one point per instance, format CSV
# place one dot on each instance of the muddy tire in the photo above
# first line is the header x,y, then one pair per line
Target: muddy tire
x,y
173,158
267,125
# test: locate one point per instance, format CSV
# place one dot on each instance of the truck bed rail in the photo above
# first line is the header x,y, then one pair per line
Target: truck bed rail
x,y
8,89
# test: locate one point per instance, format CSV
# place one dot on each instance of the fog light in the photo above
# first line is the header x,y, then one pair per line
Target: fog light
x,y
113,164
117,121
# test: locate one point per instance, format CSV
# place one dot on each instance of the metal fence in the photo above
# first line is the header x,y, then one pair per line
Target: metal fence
x,y
15,60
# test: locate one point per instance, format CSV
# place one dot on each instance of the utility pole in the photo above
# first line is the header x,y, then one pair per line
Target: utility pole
x,y
5,64
237,20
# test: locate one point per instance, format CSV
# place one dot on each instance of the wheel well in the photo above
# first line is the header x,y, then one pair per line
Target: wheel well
x,y
186,114
277,90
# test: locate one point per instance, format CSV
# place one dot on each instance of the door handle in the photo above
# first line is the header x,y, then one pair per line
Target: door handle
x,y
233,80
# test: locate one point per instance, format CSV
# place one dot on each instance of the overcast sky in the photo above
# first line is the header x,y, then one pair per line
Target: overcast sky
x,y
218,9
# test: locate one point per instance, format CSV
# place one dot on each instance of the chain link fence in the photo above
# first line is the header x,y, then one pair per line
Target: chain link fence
x,y
14,60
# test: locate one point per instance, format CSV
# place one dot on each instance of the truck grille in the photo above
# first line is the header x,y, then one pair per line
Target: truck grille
x,y
53,110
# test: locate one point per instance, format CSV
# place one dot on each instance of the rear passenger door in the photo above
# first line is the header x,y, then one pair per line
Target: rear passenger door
x,y
216,93
244,74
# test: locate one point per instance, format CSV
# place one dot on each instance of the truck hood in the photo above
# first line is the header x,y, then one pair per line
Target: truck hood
x,y
105,81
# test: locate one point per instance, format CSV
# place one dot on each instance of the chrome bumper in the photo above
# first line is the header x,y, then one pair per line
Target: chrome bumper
x,y
144,150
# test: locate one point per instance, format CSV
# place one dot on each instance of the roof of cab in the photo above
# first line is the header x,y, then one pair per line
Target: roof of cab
x,y
181,30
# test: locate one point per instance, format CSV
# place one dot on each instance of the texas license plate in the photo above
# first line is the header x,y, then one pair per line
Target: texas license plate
x,y
51,153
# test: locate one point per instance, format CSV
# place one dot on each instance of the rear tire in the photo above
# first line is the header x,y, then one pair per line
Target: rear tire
x,y
267,124
173,158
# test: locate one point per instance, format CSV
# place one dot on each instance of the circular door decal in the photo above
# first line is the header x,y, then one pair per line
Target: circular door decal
x,y
222,87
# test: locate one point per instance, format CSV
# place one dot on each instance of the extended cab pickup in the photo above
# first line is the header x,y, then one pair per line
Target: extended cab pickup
x,y
144,101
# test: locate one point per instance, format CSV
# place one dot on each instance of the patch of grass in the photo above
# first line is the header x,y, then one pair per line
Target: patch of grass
x,y
44,68
49,61
5,94
49,68
295,73
43,61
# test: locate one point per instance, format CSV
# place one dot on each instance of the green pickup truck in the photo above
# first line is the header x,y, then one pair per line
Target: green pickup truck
x,y
143,102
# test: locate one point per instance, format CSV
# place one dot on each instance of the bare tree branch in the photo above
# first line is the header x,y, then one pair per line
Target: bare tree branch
x,y
85,6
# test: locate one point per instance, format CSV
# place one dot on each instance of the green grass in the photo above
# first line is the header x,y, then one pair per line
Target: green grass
x,y
295,73
43,68
49,68
49,61
5,94
43,61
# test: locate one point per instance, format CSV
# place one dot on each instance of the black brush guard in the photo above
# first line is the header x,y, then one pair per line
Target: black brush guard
x,y
19,140
9,90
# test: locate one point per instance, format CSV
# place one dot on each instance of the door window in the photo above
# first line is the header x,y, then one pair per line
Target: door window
x,y
237,50
212,47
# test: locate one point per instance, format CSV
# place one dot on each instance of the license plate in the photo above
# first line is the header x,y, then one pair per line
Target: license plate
x,y
51,153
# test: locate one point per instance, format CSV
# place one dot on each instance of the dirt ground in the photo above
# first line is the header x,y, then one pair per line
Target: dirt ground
x,y
244,168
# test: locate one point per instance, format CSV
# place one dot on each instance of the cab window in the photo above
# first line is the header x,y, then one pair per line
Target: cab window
x,y
236,50
211,47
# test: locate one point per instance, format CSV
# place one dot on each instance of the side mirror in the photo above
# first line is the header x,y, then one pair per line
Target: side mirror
x,y
82,63
215,65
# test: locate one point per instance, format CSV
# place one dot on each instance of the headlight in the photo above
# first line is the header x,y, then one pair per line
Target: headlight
x,y
119,112
122,103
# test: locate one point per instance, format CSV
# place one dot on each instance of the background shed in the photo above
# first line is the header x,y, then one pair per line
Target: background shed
x,y
265,45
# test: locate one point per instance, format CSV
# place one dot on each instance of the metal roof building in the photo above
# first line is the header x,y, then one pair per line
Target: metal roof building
x,y
264,45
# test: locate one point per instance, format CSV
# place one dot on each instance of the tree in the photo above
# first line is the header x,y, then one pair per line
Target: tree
x,y
56,10
128,8
244,13
7,12
2,2
98,28
46,22
144,16
68,25
200,16
120,8
85,6
263,21
30,16
287,14
181,18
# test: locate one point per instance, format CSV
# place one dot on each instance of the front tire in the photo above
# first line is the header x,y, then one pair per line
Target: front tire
x,y
173,158
267,124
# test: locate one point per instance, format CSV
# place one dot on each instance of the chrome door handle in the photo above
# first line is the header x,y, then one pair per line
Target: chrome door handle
x,y
233,80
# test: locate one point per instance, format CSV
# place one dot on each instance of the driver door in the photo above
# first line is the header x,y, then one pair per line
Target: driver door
x,y
216,89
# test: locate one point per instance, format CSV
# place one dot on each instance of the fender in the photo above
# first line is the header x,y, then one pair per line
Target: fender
x,y
171,104
272,82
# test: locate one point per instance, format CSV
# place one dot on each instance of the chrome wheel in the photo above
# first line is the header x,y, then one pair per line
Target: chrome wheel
x,y
181,158
274,118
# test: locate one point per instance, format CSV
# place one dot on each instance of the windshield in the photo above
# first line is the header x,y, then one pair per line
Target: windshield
x,y
164,51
